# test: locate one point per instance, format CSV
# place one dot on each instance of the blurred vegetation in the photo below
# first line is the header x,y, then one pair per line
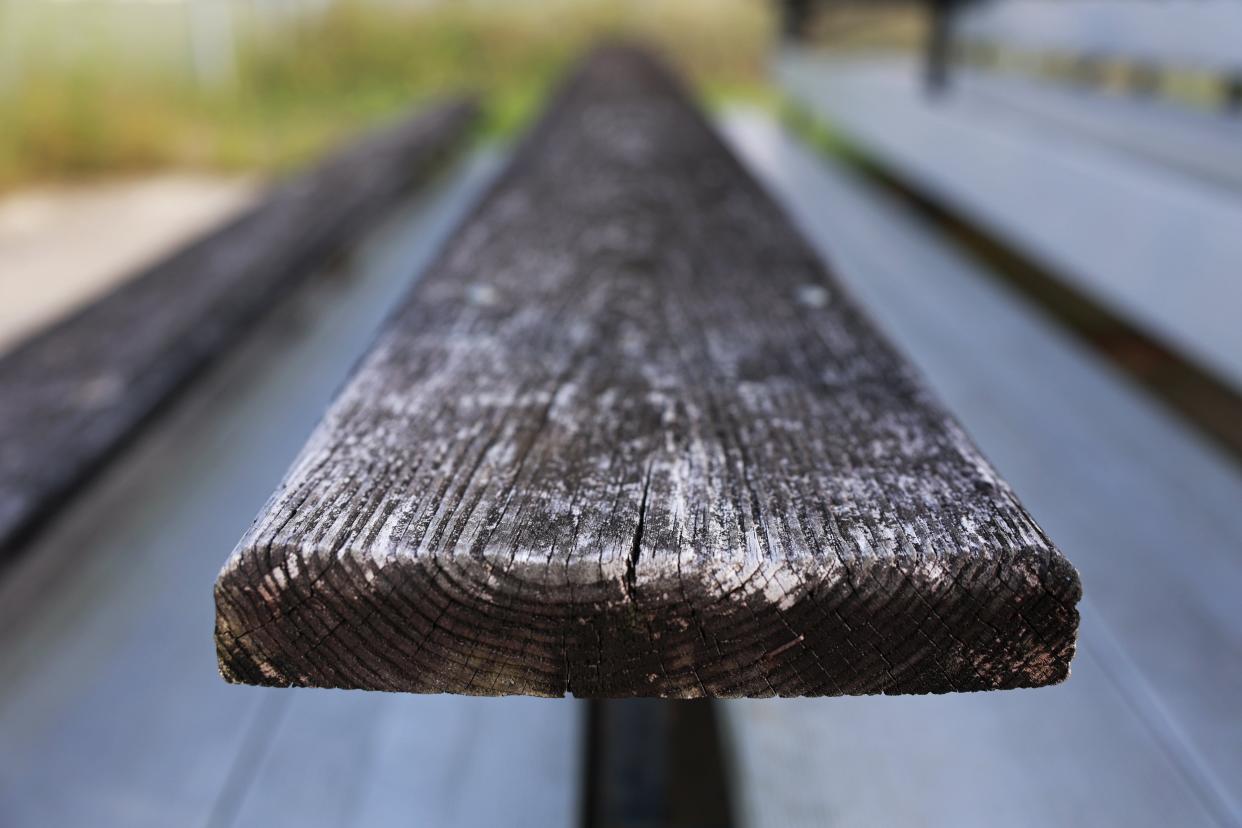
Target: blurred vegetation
x,y
861,26
99,87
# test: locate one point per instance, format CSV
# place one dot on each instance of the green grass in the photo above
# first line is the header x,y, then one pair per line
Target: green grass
x,y
101,105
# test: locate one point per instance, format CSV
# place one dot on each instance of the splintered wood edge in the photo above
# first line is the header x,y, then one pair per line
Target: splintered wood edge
x,y
879,553
448,625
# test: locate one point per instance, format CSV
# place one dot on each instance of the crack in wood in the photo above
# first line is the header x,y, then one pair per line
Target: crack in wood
x,y
636,547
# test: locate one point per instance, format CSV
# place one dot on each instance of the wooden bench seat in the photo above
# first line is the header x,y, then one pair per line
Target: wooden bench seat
x,y
1155,248
627,437
73,394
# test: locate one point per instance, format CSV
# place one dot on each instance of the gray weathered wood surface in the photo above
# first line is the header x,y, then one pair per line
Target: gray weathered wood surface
x,y
628,438
1147,732
112,712
73,394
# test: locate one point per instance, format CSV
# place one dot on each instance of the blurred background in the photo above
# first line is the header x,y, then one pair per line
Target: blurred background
x,y
172,112
104,86
1038,201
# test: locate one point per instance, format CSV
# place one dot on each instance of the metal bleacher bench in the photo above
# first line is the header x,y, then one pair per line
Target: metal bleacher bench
x,y
1148,43
1134,202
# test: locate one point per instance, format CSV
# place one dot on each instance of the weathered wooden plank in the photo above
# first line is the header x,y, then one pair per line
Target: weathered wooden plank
x,y
628,438
73,394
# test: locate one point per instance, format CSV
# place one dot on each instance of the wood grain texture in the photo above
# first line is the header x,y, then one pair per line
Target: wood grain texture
x,y
71,396
628,438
